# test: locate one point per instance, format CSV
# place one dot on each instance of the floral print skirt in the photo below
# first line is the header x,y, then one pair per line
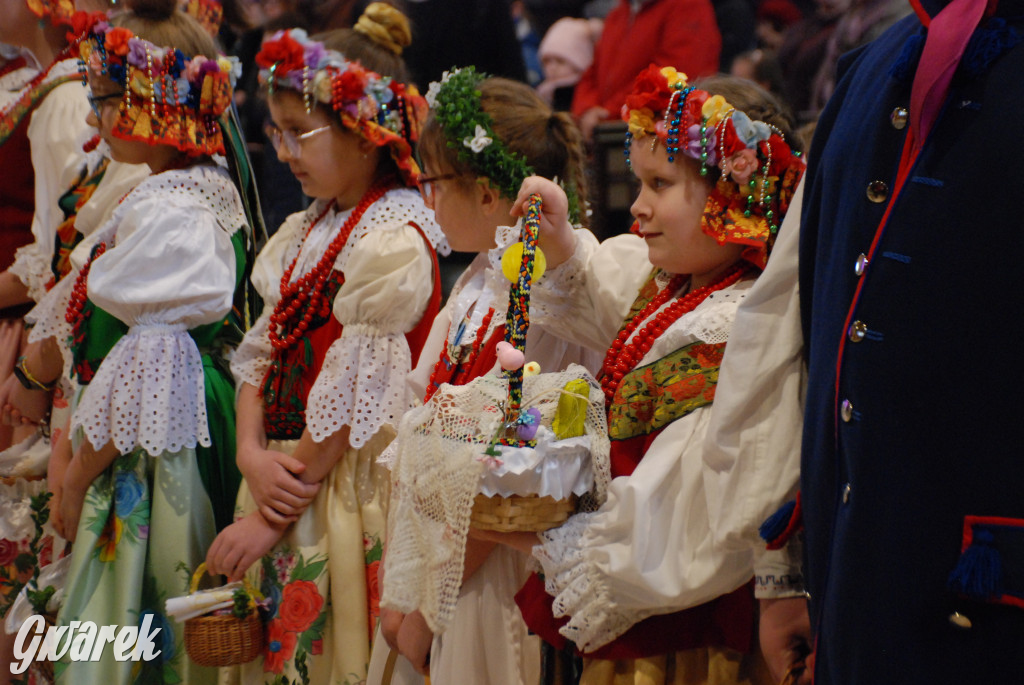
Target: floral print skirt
x,y
321,579
146,524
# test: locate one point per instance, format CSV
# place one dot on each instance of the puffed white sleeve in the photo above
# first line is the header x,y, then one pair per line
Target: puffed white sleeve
x,y
56,133
586,298
752,454
251,358
362,382
648,550
172,269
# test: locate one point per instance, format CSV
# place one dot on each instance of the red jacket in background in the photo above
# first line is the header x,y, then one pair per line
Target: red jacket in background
x,y
677,33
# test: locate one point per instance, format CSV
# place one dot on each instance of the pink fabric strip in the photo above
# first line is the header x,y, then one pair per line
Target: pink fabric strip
x,y
948,34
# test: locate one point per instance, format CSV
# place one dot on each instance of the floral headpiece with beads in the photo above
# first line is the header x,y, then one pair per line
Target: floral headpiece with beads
x,y
57,11
757,170
455,103
169,98
378,108
209,13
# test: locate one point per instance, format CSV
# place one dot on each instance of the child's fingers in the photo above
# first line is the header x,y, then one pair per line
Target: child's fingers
x,y
277,517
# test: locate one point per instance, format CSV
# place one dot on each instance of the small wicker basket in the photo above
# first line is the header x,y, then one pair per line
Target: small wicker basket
x,y
217,641
520,513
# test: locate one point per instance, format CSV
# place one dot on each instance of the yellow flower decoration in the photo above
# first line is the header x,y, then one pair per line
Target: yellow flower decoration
x,y
674,77
641,122
714,109
85,49
141,84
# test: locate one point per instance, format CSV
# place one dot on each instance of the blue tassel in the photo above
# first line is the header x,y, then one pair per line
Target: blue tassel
x,y
776,524
979,573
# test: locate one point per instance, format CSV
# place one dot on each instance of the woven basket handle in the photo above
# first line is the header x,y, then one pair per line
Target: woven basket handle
x,y
254,594
517,319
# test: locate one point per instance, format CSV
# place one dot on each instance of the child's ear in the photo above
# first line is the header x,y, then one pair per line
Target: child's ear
x,y
489,197
366,146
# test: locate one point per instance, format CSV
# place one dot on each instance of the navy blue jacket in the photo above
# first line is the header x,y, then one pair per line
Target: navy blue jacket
x,y
925,425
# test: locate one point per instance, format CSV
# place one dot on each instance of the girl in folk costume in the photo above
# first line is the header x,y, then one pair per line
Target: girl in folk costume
x,y
150,311
351,287
483,138
638,585
42,127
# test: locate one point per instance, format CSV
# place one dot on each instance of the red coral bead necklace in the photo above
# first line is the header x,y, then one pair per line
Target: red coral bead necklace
x,y
623,356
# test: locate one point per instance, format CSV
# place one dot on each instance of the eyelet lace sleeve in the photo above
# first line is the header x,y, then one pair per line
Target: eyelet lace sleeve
x,y
171,268
362,383
49,321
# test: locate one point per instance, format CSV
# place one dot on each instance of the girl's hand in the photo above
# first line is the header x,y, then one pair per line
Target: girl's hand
x,y
60,457
520,541
556,238
273,479
241,545
414,640
390,625
21,406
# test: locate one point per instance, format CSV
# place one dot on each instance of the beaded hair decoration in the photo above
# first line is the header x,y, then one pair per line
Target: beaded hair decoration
x,y
169,98
455,103
757,171
378,108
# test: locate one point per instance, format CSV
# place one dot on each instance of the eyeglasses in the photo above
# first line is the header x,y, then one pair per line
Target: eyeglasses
x,y
291,141
427,183
96,102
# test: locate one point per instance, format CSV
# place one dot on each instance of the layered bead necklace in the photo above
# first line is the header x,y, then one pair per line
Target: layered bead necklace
x,y
305,298
623,356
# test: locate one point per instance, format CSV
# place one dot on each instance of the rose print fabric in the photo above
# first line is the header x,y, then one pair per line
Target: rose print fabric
x,y
321,579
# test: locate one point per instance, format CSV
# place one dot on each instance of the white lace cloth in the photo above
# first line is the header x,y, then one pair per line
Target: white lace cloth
x,y
56,133
388,276
169,267
649,549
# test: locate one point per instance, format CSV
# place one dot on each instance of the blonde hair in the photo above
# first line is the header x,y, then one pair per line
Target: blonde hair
x,y
376,41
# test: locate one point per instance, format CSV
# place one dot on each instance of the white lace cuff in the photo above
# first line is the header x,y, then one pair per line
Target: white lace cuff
x,y
251,359
558,291
33,269
148,393
361,384
48,319
579,589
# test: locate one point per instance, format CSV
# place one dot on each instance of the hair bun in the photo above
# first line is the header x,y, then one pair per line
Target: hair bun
x,y
155,10
386,26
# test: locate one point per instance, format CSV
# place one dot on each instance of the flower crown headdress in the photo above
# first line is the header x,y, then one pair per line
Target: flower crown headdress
x,y
758,171
169,98
209,13
57,11
468,129
378,108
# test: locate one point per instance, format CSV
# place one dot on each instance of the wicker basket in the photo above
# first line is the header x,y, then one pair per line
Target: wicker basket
x,y
520,513
217,641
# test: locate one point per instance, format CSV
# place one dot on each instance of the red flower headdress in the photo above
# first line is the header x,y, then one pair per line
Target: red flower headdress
x,y
758,171
376,107
169,98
